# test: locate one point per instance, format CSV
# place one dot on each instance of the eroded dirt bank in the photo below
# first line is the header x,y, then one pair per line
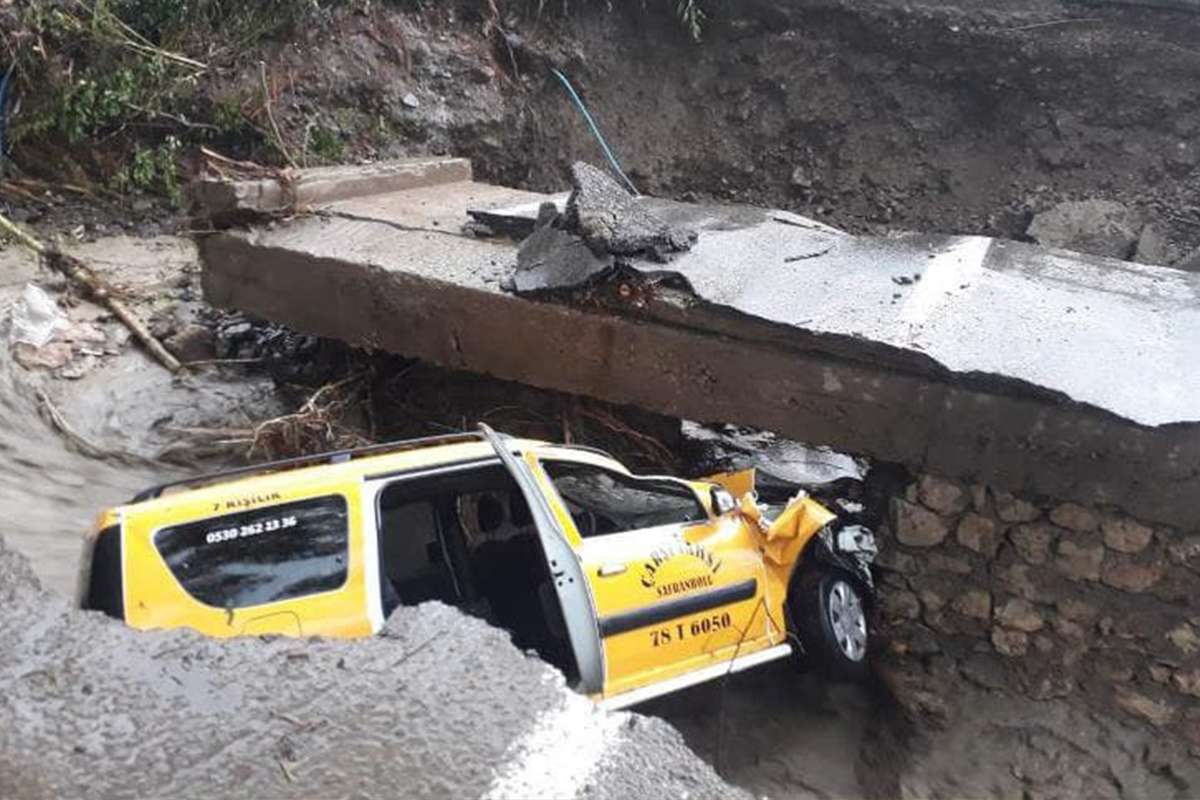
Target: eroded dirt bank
x,y
870,114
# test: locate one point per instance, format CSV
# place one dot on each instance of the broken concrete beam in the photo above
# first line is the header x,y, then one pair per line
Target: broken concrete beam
x,y
1036,371
218,198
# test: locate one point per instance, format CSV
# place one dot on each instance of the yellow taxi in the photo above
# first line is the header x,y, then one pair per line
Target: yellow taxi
x,y
634,586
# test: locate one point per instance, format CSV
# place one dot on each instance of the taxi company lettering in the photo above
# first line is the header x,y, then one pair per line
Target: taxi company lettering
x,y
677,550
245,502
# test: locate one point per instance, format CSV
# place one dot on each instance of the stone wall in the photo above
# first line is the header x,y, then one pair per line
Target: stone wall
x,y
1045,599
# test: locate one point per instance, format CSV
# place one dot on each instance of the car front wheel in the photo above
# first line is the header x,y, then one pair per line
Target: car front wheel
x,y
830,617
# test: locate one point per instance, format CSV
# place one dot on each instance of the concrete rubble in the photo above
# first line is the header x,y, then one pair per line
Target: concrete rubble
x,y
439,705
973,358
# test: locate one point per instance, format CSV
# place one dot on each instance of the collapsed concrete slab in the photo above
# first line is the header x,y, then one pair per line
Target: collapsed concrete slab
x,y
439,705
1035,370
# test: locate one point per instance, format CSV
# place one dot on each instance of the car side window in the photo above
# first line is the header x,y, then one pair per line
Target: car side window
x,y
602,501
260,556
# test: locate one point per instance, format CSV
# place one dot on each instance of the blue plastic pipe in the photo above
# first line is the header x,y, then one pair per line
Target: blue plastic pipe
x,y
608,154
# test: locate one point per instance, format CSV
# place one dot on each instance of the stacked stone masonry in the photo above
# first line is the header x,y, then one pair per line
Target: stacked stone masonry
x,y
1045,599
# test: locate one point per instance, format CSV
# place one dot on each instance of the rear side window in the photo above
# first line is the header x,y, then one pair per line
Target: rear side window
x,y
602,501
260,556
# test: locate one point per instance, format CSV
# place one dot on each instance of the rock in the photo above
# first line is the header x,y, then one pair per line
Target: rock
x,y
1099,227
1010,643
893,560
932,601
1074,517
1068,629
923,643
978,533
1184,638
901,606
942,563
82,333
410,100
1156,712
76,368
1126,535
50,356
979,495
1189,263
1076,610
1014,509
193,343
1159,673
611,220
1130,576
984,669
941,495
1079,562
800,179
1015,580
1184,550
1033,541
1182,158
1151,246
916,526
551,257
1187,682
1050,686
1019,615
482,74
976,604
1113,668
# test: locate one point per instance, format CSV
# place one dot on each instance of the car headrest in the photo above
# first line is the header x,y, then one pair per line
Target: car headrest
x,y
490,512
519,509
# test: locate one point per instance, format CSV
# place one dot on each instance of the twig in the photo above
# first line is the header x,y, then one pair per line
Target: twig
x,y
220,362
1052,23
806,256
262,72
178,120
85,445
418,649
82,274
655,449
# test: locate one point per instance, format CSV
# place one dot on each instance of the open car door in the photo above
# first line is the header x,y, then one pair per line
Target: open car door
x,y
570,583
680,591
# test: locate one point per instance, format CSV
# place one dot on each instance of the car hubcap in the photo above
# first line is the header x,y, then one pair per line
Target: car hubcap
x,y
848,621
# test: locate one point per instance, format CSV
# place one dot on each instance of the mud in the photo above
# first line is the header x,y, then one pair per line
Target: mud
x,y
123,410
437,705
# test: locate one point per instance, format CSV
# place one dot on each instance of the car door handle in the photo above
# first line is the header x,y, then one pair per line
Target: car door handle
x,y
609,570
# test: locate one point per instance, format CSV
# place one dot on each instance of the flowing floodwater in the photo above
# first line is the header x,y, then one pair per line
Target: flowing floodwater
x,y
115,415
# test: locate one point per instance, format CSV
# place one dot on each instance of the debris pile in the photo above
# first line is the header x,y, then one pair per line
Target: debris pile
x,y
602,224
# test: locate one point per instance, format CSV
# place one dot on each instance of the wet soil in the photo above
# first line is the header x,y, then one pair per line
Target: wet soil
x,y
89,431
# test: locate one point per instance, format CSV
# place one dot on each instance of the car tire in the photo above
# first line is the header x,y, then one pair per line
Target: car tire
x,y
829,613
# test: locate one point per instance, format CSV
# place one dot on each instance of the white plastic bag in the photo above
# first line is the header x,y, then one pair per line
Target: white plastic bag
x,y
35,318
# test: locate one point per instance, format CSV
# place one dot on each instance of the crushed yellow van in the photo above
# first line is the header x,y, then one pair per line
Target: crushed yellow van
x,y
634,586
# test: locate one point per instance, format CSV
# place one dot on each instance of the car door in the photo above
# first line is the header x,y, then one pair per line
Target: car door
x,y
676,588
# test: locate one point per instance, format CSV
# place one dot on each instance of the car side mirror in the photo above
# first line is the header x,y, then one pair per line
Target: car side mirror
x,y
722,501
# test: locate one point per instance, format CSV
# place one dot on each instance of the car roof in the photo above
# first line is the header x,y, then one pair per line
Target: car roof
x,y
354,464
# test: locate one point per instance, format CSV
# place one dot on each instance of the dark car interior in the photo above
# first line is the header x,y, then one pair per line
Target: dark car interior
x,y
467,538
